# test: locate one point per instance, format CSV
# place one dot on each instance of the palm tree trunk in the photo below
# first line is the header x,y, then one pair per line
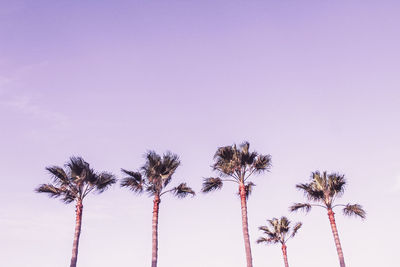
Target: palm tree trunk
x,y
331,216
154,256
242,192
285,255
78,223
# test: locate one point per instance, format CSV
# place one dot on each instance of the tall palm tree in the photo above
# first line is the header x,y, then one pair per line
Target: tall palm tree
x,y
153,177
323,190
74,183
280,232
237,164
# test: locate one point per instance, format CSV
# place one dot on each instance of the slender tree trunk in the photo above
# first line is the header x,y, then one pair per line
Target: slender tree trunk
x,y
154,256
285,255
331,216
78,223
242,192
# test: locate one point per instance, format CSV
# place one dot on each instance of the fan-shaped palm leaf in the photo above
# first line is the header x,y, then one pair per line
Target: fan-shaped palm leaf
x,y
211,184
354,210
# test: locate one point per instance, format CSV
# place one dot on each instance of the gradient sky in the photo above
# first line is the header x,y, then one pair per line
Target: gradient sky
x,y
313,83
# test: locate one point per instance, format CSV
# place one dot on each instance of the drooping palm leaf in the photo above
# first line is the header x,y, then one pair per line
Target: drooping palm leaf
x,y
59,175
249,188
300,206
354,210
49,189
296,228
104,180
182,190
211,184
134,182
266,240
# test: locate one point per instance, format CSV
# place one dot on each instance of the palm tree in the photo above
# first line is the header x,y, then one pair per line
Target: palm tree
x,y
281,232
74,184
324,189
154,177
237,165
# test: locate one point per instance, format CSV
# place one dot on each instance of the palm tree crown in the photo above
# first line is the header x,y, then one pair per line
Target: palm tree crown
x,y
76,181
74,184
324,189
236,165
280,231
155,175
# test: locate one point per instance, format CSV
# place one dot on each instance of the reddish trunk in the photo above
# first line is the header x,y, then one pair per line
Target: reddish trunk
x,y
331,216
79,208
154,256
242,192
285,255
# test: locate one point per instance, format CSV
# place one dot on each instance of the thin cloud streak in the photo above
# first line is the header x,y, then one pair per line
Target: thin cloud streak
x,y
24,103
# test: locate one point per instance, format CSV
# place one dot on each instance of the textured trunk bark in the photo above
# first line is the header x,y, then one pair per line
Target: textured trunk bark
x,y
242,192
331,216
154,256
78,223
285,255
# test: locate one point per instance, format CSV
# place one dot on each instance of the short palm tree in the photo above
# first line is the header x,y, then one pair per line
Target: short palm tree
x,y
323,190
74,184
154,177
237,164
280,232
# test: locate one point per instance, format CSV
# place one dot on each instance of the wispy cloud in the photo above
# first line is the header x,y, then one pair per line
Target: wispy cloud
x,y
15,97
25,104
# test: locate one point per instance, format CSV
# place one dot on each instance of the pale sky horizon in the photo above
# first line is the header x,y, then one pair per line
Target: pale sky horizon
x,y
315,84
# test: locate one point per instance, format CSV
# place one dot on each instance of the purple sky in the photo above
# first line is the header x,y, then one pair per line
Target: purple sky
x,y
316,85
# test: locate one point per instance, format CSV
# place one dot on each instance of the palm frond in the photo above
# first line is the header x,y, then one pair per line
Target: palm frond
x,y
159,170
311,192
67,196
49,189
296,228
249,189
262,163
267,231
59,176
354,210
104,180
77,166
182,191
244,147
211,184
336,184
134,182
225,162
302,206
267,240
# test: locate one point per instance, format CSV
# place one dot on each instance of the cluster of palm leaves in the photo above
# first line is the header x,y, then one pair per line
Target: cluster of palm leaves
x,y
232,164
